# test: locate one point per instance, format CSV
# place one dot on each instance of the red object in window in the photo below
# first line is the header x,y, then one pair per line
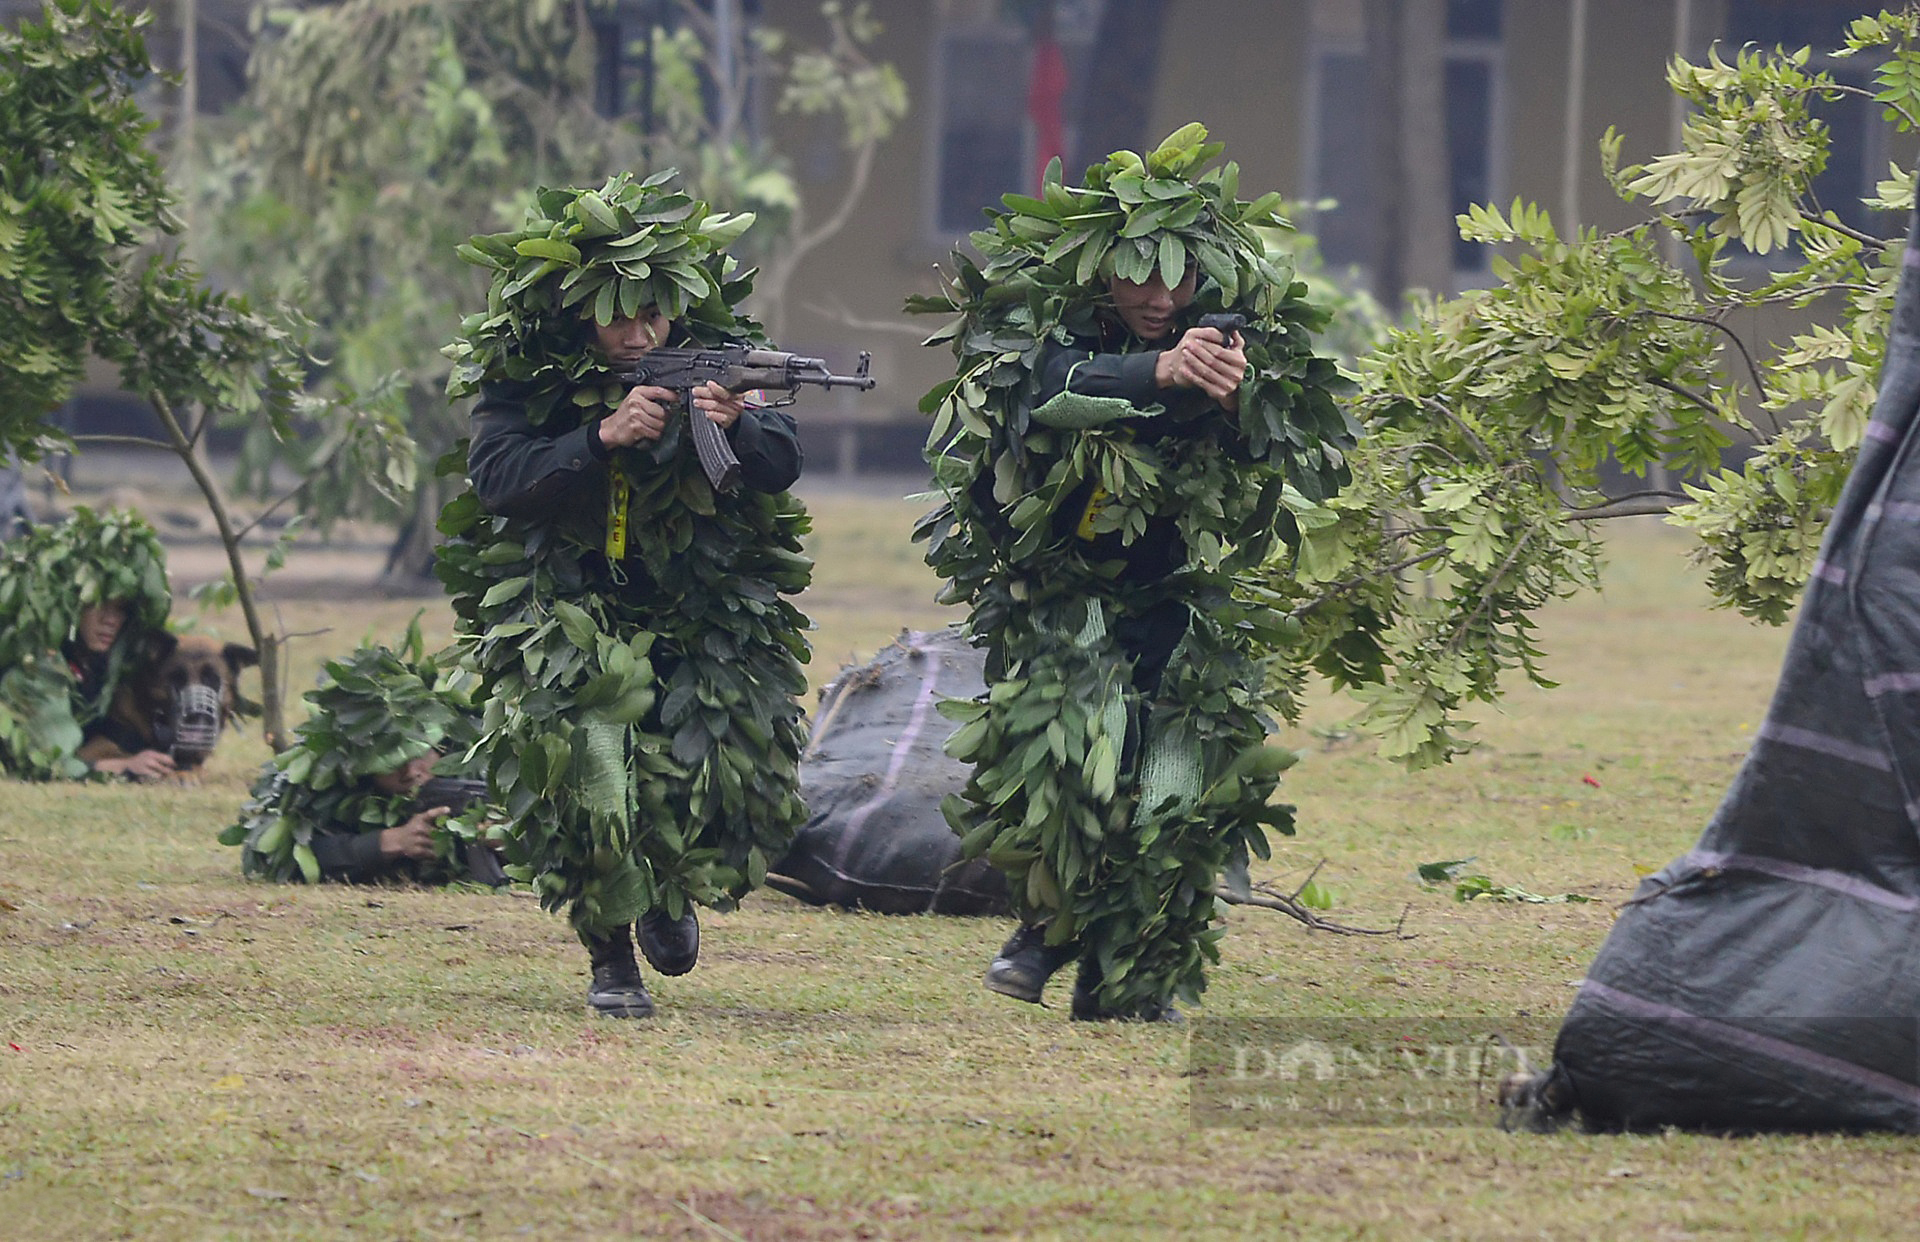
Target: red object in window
x,y
1046,87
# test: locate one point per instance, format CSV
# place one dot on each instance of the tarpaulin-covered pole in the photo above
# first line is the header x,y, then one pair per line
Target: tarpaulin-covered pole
x,y
1766,980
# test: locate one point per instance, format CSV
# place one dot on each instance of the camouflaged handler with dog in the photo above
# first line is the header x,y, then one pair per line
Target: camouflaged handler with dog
x,y
90,680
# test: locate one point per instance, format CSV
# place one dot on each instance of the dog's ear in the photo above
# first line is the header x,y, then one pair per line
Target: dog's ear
x,y
160,645
238,657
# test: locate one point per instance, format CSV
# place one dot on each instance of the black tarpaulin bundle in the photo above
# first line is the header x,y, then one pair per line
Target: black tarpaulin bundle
x,y
873,775
1766,980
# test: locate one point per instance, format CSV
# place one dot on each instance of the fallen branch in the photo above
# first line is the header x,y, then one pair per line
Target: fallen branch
x,y
1266,897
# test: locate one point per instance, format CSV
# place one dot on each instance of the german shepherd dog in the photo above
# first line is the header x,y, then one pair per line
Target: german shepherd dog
x,y
179,698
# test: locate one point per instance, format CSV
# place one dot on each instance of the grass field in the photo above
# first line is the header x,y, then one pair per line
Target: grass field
x,y
187,1055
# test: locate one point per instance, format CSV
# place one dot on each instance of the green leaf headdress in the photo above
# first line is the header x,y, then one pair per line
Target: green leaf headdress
x,y
374,711
48,577
1133,217
595,255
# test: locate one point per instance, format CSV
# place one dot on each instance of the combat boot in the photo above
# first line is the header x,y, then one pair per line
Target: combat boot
x,y
617,990
1025,963
1087,1006
671,946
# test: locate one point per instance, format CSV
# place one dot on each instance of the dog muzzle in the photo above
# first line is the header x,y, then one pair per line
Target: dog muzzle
x,y
196,723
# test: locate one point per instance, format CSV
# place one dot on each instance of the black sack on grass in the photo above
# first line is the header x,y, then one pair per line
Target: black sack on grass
x,y
1766,981
873,775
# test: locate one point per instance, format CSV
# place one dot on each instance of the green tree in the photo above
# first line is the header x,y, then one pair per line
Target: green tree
x,y
1489,416
89,266
377,135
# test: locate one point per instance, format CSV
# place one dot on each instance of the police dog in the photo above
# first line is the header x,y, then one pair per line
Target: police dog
x,y
179,698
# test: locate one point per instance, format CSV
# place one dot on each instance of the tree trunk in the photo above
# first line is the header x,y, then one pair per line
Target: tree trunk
x,y
265,641
409,564
1116,103
1406,64
1427,222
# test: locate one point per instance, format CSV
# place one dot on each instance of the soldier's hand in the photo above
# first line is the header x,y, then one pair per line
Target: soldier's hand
x,y
719,405
148,765
640,418
1203,358
413,839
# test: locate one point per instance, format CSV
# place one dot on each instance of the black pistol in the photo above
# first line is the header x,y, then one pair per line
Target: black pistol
x,y
458,794
1225,324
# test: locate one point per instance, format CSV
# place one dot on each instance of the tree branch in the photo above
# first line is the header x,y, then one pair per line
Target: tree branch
x,y
267,512
127,442
1843,89
1759,385
839,313
1435,403
1487,596
1634,504
780,275
1267,899
1359,580
1688,393
265,643
200,428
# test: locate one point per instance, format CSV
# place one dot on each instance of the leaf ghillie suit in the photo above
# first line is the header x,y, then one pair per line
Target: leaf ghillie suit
x,y
642,725
1113,805
372,712
47,579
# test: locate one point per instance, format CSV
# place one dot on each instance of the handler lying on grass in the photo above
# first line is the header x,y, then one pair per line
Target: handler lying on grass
x,y
79,599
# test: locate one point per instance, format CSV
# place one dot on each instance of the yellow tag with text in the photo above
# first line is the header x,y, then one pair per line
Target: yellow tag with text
x,y
617,494
1095,503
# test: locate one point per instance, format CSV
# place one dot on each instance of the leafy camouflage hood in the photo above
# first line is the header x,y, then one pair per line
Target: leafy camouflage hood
x,y
593,256
51,575
1132,217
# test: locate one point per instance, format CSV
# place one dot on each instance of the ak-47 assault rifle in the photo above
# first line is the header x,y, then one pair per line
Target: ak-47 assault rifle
x,y
458,794
737,368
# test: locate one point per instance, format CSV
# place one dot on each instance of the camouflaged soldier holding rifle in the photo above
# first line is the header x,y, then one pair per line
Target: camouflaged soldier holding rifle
x,y
355,799
625,614
1109,462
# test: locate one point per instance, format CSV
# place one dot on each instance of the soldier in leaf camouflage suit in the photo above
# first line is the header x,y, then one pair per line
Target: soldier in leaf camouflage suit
x,y
1111,468
639,664
77,601
341,803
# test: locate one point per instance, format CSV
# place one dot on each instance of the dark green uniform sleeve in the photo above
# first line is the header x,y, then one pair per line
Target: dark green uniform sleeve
x,y
519,470
1065,368
348,857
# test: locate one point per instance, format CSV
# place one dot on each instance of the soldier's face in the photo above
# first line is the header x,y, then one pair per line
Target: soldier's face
x,y
1148,308
409,776
100,624
625,340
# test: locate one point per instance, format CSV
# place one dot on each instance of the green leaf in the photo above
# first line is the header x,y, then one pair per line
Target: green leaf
x,y
548,248
504,590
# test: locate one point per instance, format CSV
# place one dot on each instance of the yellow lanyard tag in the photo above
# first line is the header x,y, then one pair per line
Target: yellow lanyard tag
x,y
1095,503
617,494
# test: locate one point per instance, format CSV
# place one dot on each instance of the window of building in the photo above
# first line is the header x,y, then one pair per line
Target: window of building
x,y
1343,118
1471,89
982,135
1857,156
